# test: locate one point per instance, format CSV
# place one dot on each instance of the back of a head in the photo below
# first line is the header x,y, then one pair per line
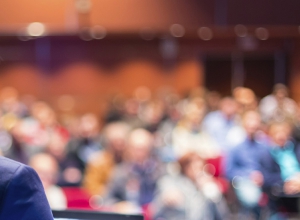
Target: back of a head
x,y
47,168
280,90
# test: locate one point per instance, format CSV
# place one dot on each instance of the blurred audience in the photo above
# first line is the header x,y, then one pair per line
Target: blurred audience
x,y
127,156
192,193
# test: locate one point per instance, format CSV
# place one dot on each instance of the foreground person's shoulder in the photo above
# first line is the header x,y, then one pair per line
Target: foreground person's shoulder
x,y
22,196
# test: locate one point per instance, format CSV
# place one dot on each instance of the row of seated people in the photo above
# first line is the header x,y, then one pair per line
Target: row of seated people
x,y
262,170
157,156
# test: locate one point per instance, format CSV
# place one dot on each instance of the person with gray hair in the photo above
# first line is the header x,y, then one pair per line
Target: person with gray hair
x,y
134,181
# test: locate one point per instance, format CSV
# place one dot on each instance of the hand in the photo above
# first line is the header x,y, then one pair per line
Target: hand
x,y
291,187
257,178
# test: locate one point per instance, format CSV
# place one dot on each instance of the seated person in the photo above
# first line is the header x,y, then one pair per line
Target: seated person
x,y
101,165
223,124
47,168
282,168
188,134
133,182
70,170
243,166
192,193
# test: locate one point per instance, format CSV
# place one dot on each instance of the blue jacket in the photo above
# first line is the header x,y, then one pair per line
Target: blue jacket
x,y
22,195
244,159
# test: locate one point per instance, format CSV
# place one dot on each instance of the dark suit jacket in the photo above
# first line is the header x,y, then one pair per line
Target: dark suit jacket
x,y
22,194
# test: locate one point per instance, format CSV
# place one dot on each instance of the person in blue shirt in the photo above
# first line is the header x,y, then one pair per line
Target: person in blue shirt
x,y
223,125
243,166
281,165
22,196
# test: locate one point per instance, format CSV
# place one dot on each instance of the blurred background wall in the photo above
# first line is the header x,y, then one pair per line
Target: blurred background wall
x,y
93,49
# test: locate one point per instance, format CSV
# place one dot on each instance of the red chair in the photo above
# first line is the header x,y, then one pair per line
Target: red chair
x,y
216,167
77,198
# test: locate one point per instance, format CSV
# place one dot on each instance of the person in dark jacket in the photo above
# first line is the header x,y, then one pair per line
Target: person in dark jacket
x,y
281,165
22,196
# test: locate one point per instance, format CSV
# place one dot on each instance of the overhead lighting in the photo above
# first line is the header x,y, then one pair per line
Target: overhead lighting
x,y
262,33
36,29
205,33
85,34
98,32
177,30
241,30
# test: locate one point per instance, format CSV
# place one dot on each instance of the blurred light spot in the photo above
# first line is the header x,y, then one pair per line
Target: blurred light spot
x,y
66,103
235,181
83,6
36,29
96,201
209,169
262,33
98,32
147,33
241,30
177,30
205,33
85,34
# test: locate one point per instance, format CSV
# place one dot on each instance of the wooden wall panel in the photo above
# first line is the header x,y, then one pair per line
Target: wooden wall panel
x,y
91,85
